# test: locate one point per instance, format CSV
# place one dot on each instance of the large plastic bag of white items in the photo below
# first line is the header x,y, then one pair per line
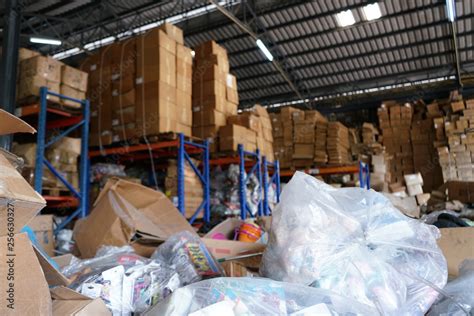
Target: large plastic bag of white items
x,y
354,242
187,254
125,281
256,296
459,294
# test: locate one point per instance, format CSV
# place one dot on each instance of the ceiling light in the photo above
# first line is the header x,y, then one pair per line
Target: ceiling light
x,y
345,18
451,10
193,53
372,11
43,40
264,50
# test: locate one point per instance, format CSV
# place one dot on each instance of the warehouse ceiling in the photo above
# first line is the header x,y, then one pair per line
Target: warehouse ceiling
x,y
411,42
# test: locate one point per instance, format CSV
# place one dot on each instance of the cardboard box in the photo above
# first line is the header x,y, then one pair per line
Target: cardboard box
x,y
413,179
303,151
208,131
41,66
457,106
128,213
234,269
203,89
462,191
185,115
230,136
457,245
209,48
30,86
156,63
42,225
74,78
24,290
247,120
208,103
123,84
208,72
24,53
73,93
123,101
209,117
67,302
414,189
174,32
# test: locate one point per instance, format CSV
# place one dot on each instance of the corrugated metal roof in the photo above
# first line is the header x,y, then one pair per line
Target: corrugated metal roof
x,y
411,41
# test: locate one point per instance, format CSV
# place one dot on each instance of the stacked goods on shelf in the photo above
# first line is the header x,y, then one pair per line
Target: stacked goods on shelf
x,y
380,174
320,151
193,190
283,156
214,91
424,155
35,72
338,144
73,84
62,155
303,138
456,159
395,122
140,87
253,128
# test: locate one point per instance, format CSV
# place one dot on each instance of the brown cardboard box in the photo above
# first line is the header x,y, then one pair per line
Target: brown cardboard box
x,y
73,93
67,302
210,48
123,84
213,102
231,89
185,115
24,290
174,32
209,117
74,78
41,66
303,151
208,72
128,213
124,100
156,63
462,191
30,86
42,225
24,53
153,38
457,245
206,131
246,119
203,89
231,108
184,54
231,135
457,106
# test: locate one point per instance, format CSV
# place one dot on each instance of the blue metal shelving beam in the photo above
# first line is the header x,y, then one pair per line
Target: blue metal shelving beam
x,y
204,177
364,175
269,181
243,178
83,193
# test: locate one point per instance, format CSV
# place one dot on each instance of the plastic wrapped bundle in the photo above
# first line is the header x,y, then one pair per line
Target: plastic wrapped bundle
x,y
187,254
354,242
255,296
459,294
126,282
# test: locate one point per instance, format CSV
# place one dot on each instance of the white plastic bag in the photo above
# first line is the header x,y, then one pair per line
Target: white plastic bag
x,y
255,297
354,242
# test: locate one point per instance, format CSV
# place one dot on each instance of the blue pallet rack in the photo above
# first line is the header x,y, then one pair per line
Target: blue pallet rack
x,y
269,181
364,175
83,193
185,148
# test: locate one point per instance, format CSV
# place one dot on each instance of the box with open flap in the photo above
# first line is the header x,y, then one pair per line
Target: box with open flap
x,y
23,288
128,213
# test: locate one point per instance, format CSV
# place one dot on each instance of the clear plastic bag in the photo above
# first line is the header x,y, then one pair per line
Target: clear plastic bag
x,y
255,296
354,242
460,291
126,282
187,254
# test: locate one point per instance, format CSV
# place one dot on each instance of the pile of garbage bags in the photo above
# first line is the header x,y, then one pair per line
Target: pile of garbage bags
x,y
354,242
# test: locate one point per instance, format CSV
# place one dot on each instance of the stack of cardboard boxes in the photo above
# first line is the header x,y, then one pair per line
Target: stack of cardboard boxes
x,y
303,139
140,87
257,132
73,84
320,151
395,122
457,158
338,145
214,91
193,191
369,134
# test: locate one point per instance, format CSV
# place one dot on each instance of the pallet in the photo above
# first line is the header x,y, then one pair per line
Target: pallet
x,y
57,191
167,136
60,105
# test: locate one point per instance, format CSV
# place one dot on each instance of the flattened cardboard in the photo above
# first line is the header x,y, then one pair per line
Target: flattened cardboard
x,y
457,245
12,124
31,294
42,225
67,302
128,213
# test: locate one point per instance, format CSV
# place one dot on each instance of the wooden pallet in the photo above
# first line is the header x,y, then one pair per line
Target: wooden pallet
x,y
167,136
57,191
51,104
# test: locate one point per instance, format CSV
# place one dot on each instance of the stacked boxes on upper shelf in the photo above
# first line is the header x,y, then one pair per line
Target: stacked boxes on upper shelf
x,y
338,144
303,139
395,122
214,96
320,141
140,86
457,158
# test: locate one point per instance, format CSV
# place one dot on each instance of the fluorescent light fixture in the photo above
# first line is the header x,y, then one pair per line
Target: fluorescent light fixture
x,y
264,50
451,10
345,18
42,40
372,11
193,53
